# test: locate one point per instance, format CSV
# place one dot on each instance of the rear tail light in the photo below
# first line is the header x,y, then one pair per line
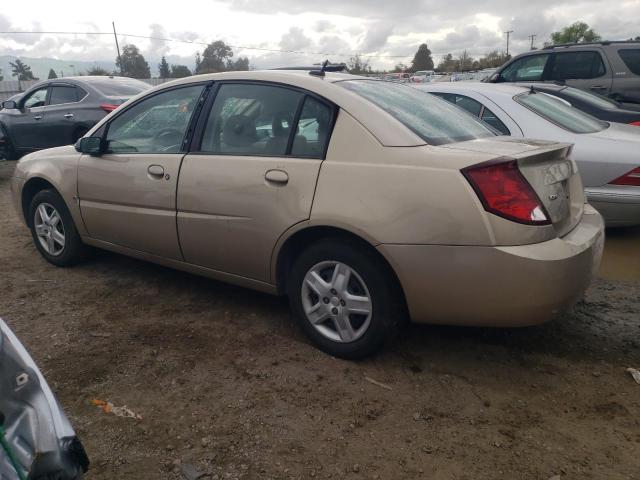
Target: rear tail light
x,y
632,178
108,107
505,192
637,124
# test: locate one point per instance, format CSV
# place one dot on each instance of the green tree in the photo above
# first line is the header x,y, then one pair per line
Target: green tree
x,y
447,64
52,74
163,68
492,60
422,59
578,32
464,62
97,71
179,71
132,63
358,65
214,58
399,68
240,65
21,70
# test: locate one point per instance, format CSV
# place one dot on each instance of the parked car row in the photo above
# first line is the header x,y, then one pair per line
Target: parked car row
x,y
366,202
59,112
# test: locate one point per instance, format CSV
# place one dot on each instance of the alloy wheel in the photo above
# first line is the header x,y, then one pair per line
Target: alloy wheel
x,y
49,229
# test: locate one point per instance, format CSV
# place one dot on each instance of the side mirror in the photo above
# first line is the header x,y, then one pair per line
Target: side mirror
x,y
9,105
90,146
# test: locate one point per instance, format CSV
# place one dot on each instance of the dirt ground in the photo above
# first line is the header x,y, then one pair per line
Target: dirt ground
x,y
226,382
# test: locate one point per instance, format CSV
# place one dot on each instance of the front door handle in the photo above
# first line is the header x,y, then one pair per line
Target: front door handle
x,y
156,171
68,115
278,177
37,117
598,87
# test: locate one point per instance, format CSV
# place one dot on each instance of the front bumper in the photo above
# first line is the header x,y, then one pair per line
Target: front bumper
x,y
37,430
498,286
619,205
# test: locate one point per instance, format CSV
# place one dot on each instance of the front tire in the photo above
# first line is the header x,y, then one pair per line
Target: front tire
x,y
345,298
53,231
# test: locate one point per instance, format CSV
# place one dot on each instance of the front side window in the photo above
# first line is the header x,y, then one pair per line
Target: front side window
x,y
251,119
558,112
631,58
434,120
526,69
63,94
157,124
577,65
37,98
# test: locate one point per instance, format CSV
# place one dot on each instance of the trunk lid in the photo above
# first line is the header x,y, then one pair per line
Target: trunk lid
x,y
548,169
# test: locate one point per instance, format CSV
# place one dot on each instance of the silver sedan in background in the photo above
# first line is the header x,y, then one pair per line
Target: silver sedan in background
x,y
606,153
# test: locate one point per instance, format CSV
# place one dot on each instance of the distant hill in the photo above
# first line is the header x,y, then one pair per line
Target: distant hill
x,y
40,66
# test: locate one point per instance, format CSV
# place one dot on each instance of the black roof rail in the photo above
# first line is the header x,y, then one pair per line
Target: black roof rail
x,y
580,44
318,69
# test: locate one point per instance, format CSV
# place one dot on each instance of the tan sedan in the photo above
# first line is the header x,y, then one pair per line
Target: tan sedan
x,y
364,201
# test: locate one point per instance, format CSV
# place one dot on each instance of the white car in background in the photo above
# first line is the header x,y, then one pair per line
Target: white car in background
x,y
422,76
606,153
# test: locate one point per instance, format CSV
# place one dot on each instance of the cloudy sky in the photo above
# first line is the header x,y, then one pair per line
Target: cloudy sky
x,y
388,30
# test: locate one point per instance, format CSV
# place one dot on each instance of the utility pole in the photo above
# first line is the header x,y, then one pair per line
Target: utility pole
x,y
532,36
115,35
508,32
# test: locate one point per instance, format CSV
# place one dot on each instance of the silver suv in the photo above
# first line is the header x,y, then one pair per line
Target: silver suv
x,y
607,68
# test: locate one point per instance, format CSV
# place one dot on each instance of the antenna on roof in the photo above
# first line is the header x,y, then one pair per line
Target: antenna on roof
x,y
531,89
323,69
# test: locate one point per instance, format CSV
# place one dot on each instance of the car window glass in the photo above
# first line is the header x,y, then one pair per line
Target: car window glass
x,y
250,119
117,88
434,120
313,129
469,104
574,65
156,124
631,58
36,99
81,93
560,113
529,68
62,94
596,100
489,117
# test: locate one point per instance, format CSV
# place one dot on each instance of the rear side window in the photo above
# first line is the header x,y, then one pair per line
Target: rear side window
x,y
314,128
491,118
250,119
63,94
631,59
577,65
431,118
560,113
529,68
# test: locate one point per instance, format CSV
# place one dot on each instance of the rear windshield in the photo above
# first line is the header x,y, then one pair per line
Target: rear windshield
x,y
590,98
119,88
434,120
558,112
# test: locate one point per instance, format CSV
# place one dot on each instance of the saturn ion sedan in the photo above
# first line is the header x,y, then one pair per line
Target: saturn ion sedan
x,y
362,200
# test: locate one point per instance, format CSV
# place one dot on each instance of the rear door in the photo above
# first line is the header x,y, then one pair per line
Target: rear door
x,y
626,81
128,195
59,123
252,176
586,69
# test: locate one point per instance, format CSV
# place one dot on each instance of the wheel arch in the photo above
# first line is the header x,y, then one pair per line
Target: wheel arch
x,y
29,190
291,246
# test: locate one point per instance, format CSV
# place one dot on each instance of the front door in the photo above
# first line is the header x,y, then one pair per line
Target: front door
x,y
26,126
253,177
128,195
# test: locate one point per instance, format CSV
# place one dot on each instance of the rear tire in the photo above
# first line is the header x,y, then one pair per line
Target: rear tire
x,y
344,298
53,231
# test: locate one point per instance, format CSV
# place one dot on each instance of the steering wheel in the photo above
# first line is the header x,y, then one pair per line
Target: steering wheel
x,y
167,136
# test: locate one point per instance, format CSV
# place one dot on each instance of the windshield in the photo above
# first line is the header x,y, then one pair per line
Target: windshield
x,y
558,112
118,88
595,100
434,120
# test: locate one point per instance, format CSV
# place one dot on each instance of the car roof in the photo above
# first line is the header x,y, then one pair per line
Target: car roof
x,y
388,130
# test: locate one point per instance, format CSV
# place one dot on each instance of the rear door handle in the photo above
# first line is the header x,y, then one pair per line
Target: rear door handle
x,y
37,117
598,87
156,171
68,115
278,177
